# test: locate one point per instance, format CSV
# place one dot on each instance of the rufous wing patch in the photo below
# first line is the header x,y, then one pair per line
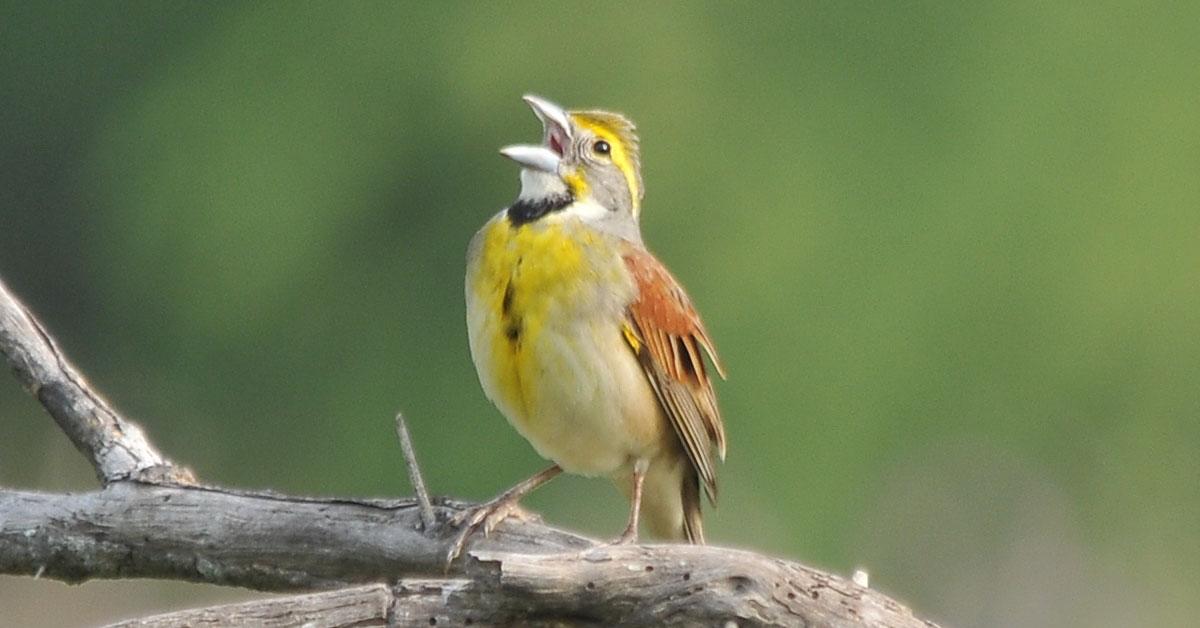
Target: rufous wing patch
x,y
669,337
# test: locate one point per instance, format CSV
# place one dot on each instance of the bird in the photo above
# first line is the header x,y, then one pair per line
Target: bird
x,y
584,340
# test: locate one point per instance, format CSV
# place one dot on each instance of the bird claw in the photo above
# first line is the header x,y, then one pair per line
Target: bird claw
x,y
628,537
485,517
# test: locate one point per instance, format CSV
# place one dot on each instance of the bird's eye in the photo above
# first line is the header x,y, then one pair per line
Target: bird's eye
x,y
602,148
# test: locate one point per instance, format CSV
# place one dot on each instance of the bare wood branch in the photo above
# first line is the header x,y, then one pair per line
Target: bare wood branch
x,y
428,520
116,447
524,571
605,586
151,521
260,541
351,607
656,585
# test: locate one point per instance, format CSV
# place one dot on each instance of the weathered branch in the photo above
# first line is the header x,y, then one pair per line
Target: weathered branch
x,y
601,587
256,540
116,447
658,585
523,572
354,607
152,521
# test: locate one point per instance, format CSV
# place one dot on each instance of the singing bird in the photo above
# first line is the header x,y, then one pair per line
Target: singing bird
x,y
583,339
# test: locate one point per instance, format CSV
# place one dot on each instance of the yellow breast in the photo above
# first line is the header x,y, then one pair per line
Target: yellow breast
x,y
546,303
522,278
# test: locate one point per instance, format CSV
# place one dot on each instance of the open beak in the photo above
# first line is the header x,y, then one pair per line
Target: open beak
x,y
557,128
533,157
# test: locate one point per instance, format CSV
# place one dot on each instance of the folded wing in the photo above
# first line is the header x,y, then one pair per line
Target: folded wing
x,y
666,333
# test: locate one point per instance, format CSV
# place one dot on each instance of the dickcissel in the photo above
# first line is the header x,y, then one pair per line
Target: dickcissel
x,y
584,340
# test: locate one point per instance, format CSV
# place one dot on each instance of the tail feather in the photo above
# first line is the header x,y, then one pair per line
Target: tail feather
x,y
693,524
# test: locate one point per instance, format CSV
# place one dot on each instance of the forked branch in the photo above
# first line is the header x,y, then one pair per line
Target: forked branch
x,y
116,447
152,521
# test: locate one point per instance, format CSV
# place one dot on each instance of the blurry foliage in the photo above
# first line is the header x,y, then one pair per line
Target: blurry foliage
x,y
949,253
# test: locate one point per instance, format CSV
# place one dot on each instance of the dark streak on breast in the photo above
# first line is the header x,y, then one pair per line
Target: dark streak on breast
x,y
506,302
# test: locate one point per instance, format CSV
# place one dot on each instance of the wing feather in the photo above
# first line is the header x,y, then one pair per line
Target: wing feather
x,y
672,340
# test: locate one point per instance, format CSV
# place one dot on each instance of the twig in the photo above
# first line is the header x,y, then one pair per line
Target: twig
x,y
428,520
116,446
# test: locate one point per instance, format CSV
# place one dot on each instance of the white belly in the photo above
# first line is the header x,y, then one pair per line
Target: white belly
x,y
592,410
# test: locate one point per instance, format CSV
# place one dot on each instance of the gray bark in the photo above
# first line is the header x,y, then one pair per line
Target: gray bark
x,y
355,606
153,521
259,541
601,587
523,572
115,446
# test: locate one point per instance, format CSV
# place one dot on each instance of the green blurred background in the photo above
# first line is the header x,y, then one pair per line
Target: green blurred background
x,y
950,254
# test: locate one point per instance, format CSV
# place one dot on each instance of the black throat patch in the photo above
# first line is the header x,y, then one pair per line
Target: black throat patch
x,y
525,210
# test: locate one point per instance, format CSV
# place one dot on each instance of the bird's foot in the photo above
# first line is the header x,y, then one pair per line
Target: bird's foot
x,y
628,537
485,517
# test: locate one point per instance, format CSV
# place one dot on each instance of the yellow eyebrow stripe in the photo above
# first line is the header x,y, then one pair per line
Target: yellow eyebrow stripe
x,y
619,155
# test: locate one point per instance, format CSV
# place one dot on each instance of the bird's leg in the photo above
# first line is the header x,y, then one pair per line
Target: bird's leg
x,y
489,514
630,535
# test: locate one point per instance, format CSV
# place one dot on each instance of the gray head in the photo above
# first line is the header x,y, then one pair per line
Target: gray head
x,y
588,159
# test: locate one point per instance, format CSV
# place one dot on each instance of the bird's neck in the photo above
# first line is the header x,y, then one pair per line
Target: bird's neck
x,y
537,186
541,193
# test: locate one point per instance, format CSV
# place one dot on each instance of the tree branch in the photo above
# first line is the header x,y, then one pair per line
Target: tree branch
x,y
152,521
523,571
601,588
353,607
658,585
260,541
116,447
